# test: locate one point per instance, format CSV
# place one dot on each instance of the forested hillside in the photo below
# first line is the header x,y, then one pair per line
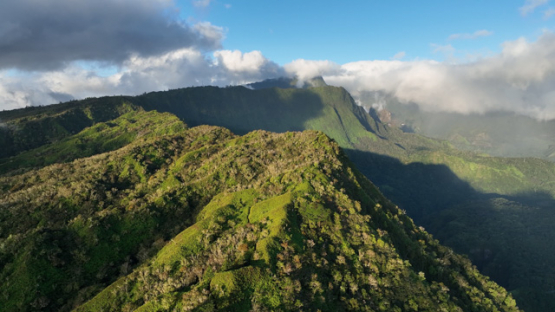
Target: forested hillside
x,y
427,178
170,218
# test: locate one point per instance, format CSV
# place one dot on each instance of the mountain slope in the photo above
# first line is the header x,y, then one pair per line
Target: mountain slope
x,y
423,176
102,137
32,127
191,218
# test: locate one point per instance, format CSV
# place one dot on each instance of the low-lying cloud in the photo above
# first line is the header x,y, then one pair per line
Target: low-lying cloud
x,y
520,79
305,69
175,69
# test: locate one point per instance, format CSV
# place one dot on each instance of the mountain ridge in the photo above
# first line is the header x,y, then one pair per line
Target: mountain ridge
x,y
423,176
190,217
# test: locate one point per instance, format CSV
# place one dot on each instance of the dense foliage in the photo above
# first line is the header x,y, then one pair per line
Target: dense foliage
x,y
423,176
201,219
504,230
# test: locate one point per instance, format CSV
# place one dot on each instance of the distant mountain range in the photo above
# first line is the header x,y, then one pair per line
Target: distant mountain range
x,y
443,188
496,133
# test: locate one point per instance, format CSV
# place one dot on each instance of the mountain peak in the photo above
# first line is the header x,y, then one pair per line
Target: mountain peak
x,y
286,83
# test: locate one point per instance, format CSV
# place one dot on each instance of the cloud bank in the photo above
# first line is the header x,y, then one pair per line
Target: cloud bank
x,y
49,52
520,79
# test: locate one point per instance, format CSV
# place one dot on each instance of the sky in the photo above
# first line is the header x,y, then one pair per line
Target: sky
x,y
460,56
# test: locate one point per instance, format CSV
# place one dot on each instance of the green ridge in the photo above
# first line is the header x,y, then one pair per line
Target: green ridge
x,y
202,219
423,176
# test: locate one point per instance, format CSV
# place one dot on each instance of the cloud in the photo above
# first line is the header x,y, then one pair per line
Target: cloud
x,y
227,6
208,32
442,48
237,61
476,34
49,35
175,69
520,79
201,3
399,55
236,67
447,50
530,5
305,69
548,13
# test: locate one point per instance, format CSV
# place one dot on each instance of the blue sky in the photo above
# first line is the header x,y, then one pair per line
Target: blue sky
x,y
368,30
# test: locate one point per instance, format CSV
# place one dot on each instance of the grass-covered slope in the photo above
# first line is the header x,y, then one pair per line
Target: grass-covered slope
x,y
32,127
102,137
202,219
311,233
328,109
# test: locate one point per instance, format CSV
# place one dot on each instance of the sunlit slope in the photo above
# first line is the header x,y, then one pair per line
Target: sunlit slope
x,y
328,109
100,138
421,175
32,127
192,217
313,234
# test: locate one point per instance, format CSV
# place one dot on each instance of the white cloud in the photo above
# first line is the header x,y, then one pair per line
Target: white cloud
x,y
209,32
237,61
175,69
305,69
548,13
442,48
474,35
227,6
520,79
236,67
399,55
201,3
530,5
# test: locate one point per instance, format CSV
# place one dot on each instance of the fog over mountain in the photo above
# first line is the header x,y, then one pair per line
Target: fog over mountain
x,y
519,80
